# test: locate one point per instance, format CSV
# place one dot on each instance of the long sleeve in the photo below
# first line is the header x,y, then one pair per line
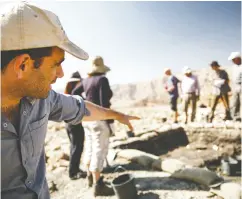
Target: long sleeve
x,y
105,92
78,90
69,108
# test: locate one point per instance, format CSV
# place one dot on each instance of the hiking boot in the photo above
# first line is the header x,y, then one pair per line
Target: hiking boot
x,y
227,116
237,120
185,122
78,175
102,189
89,180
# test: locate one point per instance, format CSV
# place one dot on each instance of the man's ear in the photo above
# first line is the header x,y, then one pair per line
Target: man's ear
x,y
22,65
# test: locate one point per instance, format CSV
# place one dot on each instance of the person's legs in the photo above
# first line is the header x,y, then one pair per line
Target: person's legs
x,y
240,105
225,100
236,106
100,144
76,136
88,149
194,106
176,116
173,102
186,101
214,105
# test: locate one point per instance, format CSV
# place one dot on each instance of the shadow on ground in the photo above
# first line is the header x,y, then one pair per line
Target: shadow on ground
x,y
126,166
167,183
148,195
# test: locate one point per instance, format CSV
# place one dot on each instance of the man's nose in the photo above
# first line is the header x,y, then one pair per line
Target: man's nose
x,y
59,72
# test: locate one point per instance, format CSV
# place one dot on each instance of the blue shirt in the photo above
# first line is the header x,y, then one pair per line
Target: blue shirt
x,y
173,81
22,152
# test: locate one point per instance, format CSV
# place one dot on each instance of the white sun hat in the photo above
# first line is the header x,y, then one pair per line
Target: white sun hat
x,y
234,55
187,70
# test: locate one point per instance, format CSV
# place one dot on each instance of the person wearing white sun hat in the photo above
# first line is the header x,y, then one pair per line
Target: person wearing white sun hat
x,y
235,57
190,92
33,45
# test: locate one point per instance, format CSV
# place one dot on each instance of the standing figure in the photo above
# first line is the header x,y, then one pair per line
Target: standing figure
x,y
75,134
191,92
221,89
171,87
97,90
235,57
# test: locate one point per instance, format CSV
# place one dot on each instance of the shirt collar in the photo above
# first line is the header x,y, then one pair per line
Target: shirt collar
x,y
31,100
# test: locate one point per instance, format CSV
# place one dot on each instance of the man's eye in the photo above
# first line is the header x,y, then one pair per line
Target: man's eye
x,y
56,65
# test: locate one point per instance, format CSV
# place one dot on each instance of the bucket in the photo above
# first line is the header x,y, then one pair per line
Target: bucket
x,y
231,166
124,187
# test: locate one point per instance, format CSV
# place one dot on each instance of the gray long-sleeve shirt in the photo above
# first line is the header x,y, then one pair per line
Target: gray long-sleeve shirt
x,y
22,152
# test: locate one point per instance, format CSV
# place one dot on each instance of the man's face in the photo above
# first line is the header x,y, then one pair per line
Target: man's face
x,y
214,68
237,61
168,72
39,80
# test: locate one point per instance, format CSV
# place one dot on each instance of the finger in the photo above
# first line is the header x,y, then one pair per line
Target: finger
x,y
133,118
130,126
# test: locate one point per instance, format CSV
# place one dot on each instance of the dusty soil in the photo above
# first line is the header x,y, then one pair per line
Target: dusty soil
x,y
150,184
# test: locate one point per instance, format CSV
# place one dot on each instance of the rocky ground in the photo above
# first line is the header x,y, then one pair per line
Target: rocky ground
x,y
150,184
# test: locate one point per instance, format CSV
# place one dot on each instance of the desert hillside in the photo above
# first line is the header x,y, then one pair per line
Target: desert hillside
x,y
152,92
144,93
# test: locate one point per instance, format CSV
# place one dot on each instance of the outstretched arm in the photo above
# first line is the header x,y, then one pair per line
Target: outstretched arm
x,y
100,113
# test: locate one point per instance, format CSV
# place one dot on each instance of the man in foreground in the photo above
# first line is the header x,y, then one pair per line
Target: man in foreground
x,y
33,48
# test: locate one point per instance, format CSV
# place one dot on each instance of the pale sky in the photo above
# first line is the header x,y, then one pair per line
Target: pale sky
x,y
138,39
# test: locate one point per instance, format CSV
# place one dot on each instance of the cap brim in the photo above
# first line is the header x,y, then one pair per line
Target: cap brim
x,y
107,68
187,71
230,58
74,50
233,56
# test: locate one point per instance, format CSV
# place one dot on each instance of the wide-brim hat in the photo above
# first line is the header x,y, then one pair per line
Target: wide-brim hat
x,y
98,66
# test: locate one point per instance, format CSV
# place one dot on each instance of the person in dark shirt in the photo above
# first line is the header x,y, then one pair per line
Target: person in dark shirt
x,y
171,87
221,89
75,134
97,90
